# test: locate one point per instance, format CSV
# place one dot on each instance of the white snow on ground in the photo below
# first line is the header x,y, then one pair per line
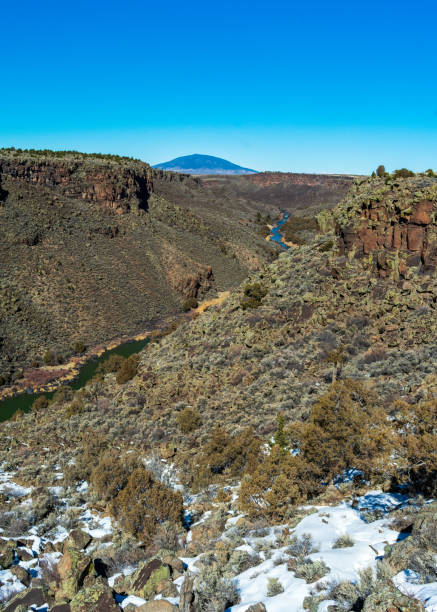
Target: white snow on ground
x,y
104,524
11,488
407,583
82,487
10,585
325,525
127,571
384,502
132,599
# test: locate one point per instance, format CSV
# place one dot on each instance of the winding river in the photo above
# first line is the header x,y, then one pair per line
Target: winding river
x,y
275,233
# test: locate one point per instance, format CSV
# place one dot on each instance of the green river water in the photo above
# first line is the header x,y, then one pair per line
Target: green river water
x,y
25,400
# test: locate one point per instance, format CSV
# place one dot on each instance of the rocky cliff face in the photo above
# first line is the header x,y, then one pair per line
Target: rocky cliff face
x,y
396,228
265,179
110,185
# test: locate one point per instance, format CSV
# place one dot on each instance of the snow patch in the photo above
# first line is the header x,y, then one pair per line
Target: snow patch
x,y
407,583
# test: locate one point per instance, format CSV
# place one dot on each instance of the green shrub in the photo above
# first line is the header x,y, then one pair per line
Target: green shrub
x,y
343,541
144,504
274,587
403,173
214,593
75,407
63,394
189,420
90,447
380,171
280,438
40,403
124,368
370,593
189,304
111,474
128,369
346,429
416,444
49,358
326,246
79,347
253,294
226,455
112,364
311,570
301,547
277,484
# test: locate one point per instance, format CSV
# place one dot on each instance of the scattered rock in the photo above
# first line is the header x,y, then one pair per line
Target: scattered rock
x,y
30,597
96,598
78,538
24,555
72,569
21,574
6,559
146,579
259,607
176,565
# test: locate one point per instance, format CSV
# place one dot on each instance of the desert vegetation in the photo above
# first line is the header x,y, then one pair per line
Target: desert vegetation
x,y
253,453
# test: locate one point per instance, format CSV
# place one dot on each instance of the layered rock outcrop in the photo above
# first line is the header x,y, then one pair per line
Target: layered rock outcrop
x,y
265,179
397,229
110,185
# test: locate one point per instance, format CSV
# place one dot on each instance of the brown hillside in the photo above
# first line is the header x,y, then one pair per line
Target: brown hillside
x,y
95,247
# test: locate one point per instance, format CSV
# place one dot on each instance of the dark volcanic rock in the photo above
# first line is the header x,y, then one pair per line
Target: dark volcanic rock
x,y
30,597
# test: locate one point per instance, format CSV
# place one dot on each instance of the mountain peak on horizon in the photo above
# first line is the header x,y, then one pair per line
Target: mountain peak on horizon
x,y
203,164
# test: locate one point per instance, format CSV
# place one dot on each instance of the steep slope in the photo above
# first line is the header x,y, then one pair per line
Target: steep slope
x,y
203,164
318,312
90,250
96,247
327,311
97,474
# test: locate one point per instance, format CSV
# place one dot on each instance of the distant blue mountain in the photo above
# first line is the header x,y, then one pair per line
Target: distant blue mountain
x,y
203,164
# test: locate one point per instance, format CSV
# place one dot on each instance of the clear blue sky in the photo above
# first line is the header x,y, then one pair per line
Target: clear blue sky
x,y
336,86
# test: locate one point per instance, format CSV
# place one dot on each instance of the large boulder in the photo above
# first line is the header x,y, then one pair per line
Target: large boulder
x,y
29,597
6,553
6,559
176,565
78,538
146,580
72,569
21,574
95,598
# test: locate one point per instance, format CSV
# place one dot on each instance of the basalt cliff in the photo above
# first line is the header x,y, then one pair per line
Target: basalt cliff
x,y
393,226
